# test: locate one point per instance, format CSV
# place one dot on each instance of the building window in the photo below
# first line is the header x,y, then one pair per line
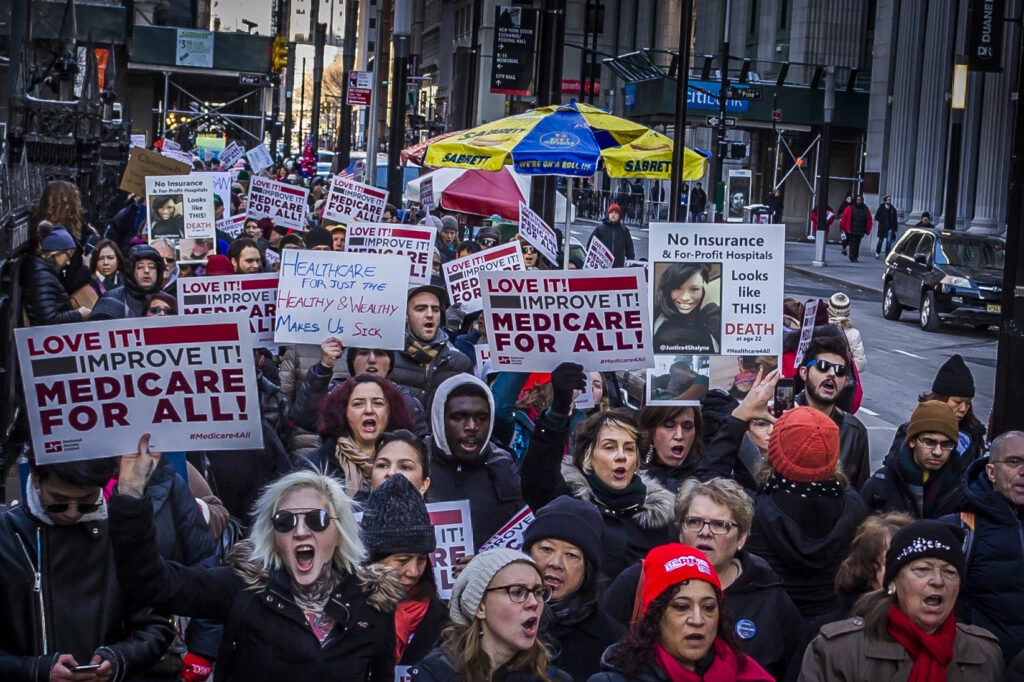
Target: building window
x,y
783,14
754,18
373,23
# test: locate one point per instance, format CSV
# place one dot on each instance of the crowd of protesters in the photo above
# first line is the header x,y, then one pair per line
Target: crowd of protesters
x,y
710,542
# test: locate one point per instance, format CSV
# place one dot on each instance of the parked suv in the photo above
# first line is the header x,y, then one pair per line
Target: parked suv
x,y
944,276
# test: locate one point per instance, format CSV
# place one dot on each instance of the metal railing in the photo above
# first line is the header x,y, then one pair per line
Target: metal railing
x,y
637,210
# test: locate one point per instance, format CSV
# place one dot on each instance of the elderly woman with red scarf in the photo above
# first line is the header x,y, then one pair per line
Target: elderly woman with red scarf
x,y
907,630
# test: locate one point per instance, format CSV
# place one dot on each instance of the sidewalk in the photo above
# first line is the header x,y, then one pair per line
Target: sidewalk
x,y
838,271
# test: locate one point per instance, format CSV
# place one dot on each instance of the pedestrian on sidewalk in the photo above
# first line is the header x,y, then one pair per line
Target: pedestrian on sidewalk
x,y
888,223
847,202
839,316
830,217
926,220
856,223
775,206
698,203
613,234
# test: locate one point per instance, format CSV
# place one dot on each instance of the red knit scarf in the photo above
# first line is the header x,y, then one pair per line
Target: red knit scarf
x,y
408,616
725,668
931,653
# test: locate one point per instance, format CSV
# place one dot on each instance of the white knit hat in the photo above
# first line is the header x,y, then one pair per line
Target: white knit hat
x,y
839,305
471,585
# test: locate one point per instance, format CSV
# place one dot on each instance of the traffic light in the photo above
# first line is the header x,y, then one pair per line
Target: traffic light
x,y
279,55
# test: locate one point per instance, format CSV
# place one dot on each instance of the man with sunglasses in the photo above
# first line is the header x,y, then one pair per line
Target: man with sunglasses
x,y
922,477
825,374
171,269
144,275
62,604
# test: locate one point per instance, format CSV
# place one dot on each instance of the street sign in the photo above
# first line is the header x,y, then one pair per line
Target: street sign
x,y
514,49
985,35
777,115
713,121
253,79
360,85
752,94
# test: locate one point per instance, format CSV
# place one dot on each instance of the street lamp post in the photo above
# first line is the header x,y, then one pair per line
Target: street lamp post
x,y
825,157
957,102
682,88
400,67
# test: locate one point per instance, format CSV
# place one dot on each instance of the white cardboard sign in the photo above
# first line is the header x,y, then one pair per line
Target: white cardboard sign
x,y
259,158
255,295
462,275
283,203
232,226
427,195
453,529
599,257
230,155
353,202
533,229
414,242
180,209
510,536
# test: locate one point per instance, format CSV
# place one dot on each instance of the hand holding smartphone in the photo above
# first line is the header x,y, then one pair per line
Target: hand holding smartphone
x,y
785,397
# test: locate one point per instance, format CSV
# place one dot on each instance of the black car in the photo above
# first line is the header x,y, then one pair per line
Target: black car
x,y
945,276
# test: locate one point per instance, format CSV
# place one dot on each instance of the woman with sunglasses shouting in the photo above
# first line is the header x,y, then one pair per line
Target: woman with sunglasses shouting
x,y
294,603
495,610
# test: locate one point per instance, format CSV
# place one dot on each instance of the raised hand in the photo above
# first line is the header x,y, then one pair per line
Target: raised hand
x,y
755,403
136,469
330,350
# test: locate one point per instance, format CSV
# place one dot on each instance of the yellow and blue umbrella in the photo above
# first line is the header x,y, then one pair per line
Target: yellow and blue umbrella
x,y
570,139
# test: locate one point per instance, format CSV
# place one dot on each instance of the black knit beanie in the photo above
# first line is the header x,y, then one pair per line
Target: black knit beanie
x,y
954,379
396,521
922,540
569,520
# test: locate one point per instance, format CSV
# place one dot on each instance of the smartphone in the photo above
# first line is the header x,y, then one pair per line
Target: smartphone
x,y
85,668
785,395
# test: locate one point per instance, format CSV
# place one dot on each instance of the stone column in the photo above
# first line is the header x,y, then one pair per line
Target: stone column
x,y
933,117
994,146
906,100
969,152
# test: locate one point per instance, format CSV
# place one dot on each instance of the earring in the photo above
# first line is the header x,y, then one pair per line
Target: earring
x,y
649,457
892,589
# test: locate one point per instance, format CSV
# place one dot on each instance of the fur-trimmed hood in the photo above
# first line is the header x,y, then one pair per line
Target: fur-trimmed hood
x,y
379,583
658,509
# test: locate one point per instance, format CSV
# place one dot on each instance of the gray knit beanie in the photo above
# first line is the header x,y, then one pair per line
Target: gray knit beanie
x,y
472,583
396,521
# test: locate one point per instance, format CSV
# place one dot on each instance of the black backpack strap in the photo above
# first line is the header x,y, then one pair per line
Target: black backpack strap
x,y
967,521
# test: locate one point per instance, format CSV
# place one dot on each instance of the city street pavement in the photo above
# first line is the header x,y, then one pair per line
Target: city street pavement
x,y
901,358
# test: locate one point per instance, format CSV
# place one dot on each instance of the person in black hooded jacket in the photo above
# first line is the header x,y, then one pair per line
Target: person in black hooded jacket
x,y
613,234
144,274
46,299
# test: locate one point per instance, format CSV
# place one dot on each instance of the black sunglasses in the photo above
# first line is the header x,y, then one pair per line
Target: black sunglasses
x,y
488,242
529,250
62,507
317,520
159,310
824,366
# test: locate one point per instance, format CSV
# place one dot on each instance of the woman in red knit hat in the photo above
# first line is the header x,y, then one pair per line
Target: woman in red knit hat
x,y
680,631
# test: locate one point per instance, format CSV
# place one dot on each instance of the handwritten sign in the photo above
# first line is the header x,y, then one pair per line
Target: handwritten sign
x,y
143,163
259,158
533,229
359,298
510,535
283,203
453,530
95,387
599,257
463,274
230,155
353,202
415,243
255,295
537,320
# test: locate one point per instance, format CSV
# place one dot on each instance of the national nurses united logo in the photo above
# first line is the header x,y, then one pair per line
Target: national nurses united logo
x,y
52,447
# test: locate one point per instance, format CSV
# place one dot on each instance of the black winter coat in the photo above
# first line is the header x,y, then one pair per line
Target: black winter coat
x,y
266,635
730,454
972,435
854,447
439,667
1015,671
491,484
887,219
672,478
629,534
574,646
887,491
422,380
45,298
427,634
992,596
617,238
79,600
128,301
698,200
763,615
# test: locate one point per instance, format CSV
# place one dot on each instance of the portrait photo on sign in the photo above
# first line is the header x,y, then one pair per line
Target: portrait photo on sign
x,y
735,374
687,310
678,380
195,250
168,218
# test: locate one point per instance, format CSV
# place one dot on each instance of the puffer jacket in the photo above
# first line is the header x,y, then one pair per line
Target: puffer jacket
x,y
843,652
295,362
440,666
80,606
127,301
423,380
45,299
628,534
266,635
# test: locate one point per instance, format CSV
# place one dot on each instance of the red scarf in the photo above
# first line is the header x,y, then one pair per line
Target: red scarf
x,y
931,653
725,668
408,616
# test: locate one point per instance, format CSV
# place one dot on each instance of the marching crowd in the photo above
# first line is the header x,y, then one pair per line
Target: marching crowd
x,y
714,542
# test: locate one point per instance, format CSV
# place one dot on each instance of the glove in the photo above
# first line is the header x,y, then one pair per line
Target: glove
x,y
567,378
195,668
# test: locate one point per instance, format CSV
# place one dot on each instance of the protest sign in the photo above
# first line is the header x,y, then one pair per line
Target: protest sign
x,y
222,189
453,530
283,203
533,229
539,319
169,145
806,330
143,163
463,274
232,226
585,399
273,258
414,242
358,297
259,158
483,354
94,388
510,536
353,202
599,257
230,155
180,209
179,156
637,264
427,195
402,673
716,307
255,295
138,140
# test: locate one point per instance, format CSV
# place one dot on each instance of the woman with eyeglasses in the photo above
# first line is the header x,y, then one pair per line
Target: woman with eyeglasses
x,y
45,298
107,267
532,259
159,304
495,611
671,440
293,600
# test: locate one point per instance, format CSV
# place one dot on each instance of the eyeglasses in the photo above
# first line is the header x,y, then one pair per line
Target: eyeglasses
x,y
317,520
62,507
488,242
695,524
159,310
824,366
760,423
518,593
172,261
1013,463
931,444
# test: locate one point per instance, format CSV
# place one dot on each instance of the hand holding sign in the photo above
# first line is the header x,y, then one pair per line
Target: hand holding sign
x,y
330,350
136,470
566,379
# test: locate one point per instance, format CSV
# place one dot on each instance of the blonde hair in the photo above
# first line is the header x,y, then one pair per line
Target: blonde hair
x,y
723,491
349,553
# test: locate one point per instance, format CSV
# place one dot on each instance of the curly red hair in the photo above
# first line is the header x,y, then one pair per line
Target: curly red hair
x,y
333,418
